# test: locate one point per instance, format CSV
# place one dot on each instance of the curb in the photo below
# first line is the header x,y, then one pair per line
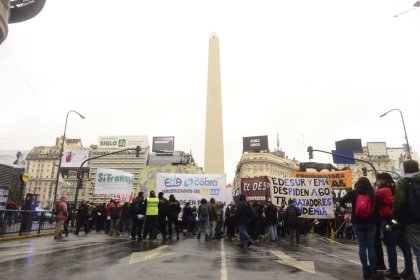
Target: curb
x,y
12,238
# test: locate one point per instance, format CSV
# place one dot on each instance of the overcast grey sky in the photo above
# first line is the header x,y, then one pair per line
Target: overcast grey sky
x,y
312,71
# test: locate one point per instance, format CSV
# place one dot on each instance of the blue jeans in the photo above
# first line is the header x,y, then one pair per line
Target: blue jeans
x,y
390,241
412,232
204,226
244,238
273,231
218,234
366,238
406,249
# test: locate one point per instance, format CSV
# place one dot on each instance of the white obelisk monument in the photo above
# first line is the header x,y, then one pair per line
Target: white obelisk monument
x,y
214,159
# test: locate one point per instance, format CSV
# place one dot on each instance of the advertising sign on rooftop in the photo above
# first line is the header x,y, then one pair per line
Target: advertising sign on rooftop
x,y
163,144
376,149
122,142
255,143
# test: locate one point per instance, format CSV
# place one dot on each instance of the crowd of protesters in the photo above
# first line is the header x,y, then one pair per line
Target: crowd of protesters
x,y
144,218
384,216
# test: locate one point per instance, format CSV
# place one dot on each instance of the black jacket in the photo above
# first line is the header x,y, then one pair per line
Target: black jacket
x,y
243,213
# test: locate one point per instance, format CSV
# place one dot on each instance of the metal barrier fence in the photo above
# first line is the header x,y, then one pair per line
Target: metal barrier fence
x,y
21,222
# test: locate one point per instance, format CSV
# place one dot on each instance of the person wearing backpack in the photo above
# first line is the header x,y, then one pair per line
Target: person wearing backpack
x,y
406,208
204,219
137,213
291,219
364,220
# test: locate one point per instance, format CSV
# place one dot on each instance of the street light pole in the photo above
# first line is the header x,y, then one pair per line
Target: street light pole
x,y
405,132
61,155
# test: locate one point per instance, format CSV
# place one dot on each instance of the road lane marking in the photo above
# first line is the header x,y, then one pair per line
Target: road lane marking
x,y
149,255
223,268
352,246
332,255
307,266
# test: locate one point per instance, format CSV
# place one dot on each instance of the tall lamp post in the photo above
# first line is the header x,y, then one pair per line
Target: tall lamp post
x,y
405,132
61,154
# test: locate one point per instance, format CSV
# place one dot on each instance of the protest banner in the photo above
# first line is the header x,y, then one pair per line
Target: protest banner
x,y
256,189
114,182
312,196
192,187
340,181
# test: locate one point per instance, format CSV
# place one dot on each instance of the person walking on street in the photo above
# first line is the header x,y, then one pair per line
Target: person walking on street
x,y
406,208
82,218
68,219
243,217
62,214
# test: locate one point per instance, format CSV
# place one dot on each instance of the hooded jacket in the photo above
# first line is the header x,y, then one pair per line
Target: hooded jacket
x,y
400,211
243,212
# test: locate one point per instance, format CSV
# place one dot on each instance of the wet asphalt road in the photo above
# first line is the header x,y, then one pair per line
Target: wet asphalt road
x,y
97,256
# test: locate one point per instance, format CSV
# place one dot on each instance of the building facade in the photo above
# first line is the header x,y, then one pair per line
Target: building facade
x,y
263,164
42,166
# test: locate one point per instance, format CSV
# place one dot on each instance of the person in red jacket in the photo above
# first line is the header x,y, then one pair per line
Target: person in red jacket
x,y
62,214
385,199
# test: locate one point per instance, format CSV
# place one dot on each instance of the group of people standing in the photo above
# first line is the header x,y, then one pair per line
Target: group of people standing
x,y
390,211
144,218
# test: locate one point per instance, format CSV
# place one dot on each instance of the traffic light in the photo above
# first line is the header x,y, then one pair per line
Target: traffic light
x,y
364,170
138,151
310,151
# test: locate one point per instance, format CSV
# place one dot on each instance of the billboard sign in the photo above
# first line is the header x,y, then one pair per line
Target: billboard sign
x,y
122,142
256,189
74,158
312,196
354,145
192,187
13,157
113,182
376,149
163,144
255,143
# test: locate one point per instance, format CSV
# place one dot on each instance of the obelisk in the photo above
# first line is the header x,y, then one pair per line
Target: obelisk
x,y
214,161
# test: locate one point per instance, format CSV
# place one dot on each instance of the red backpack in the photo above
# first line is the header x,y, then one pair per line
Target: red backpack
x,y
363,206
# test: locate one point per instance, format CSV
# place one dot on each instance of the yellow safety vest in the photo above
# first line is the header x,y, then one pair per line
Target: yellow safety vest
x,y
152,206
